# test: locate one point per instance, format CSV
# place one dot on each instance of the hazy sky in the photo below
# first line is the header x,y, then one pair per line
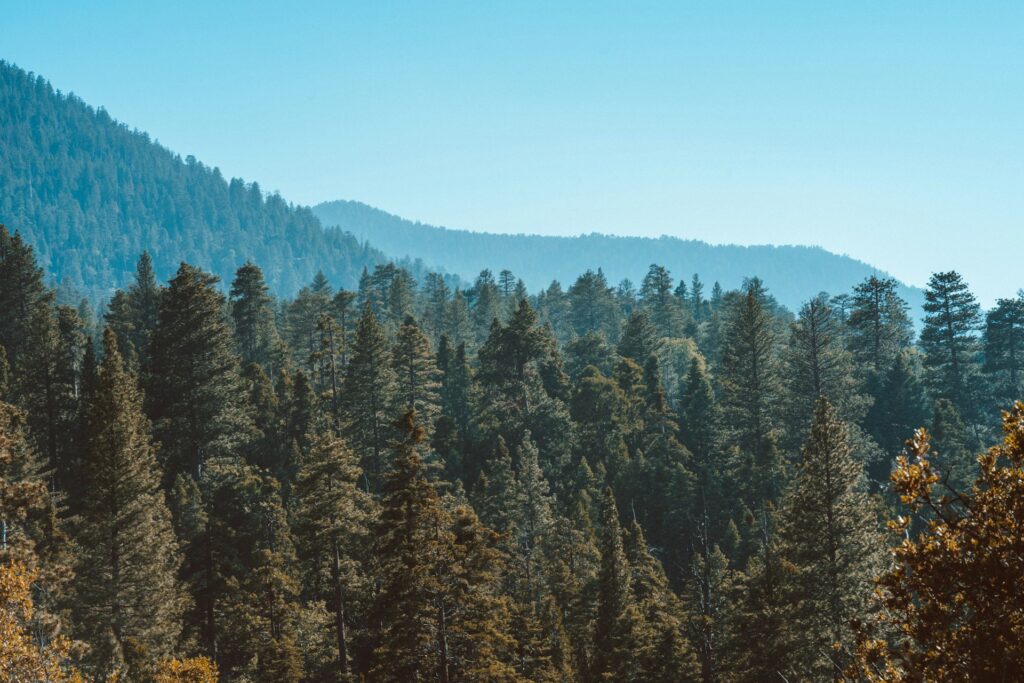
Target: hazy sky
x,y
891,131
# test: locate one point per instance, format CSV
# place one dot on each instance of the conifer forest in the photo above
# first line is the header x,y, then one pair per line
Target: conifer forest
x,y
246,440
407,482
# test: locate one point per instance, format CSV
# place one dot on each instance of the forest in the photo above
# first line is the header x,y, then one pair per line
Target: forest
x,y
405,481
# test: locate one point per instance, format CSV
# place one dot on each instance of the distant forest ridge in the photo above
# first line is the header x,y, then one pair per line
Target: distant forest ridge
x,y
793,273
90,194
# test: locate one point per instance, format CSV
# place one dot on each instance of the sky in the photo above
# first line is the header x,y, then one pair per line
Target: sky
x,y
889,131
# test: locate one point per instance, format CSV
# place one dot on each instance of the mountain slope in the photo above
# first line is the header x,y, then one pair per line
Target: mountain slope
x,y
793,273
90,194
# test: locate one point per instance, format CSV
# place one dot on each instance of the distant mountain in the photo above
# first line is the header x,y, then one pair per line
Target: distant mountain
x,y
792,273
90,194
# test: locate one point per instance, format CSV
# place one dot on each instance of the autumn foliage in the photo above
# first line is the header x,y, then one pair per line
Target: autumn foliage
x,y
953,601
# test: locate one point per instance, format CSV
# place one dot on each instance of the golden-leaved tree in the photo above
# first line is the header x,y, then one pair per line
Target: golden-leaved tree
x,y
953,598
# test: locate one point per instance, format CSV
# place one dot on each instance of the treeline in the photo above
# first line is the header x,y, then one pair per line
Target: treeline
x,y
794,271
405,482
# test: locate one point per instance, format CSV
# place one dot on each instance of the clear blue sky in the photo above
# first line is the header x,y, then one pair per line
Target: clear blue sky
x,y
891,131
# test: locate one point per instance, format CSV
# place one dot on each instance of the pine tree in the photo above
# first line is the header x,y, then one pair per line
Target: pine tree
x,y
614,636
194,392
592,306
133,314
436,301
949,341
831,536
656,297
332,518
246,588
452,430
253,315
700,433
1004,349
416,373
486,304
818,365
639,338
22,294
899,409
750,391
301,317
951,454
127,593
369,392
438,614
47,385
879,325
662,651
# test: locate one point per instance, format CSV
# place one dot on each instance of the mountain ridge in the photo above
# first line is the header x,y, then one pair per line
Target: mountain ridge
x,y
794,273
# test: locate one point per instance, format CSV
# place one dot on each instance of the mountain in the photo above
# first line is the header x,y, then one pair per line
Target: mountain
x,y
89,194
793,273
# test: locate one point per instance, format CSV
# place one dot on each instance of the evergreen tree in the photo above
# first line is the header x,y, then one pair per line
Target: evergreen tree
x,y
614,630
656,297
436,301
639,338
951,454
332,520
47,385
831,537
369,392
301,317
817,365
32,528
750,390
253,315
879,325
438,614
662,651
194,392
416,372
1004,349
247,589
592,306
22,294
127,593
949,341
133,313
899,409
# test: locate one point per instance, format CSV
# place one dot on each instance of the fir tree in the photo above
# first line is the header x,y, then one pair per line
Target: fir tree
x,y
899,409
879,325
949,340
831,537
369,392
332,518
416,372
639,338
253,315
127,590
818,365
614,637
592,306
750,391
1004,349
656,297
194,391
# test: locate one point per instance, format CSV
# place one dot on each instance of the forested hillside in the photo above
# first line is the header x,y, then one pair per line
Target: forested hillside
x,y
404,482
793,270
90,194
